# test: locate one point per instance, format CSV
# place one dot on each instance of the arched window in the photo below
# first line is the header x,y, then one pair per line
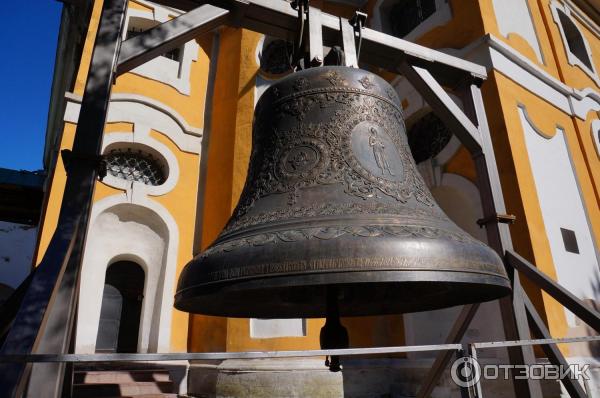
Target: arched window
x,y
276,57
427,137
406,15
136,165
137,26
173,67
575,41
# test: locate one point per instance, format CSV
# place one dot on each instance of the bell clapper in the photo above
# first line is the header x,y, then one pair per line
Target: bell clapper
x,y
333,334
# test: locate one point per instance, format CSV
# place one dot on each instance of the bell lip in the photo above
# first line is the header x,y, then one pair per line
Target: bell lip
x,y
216,299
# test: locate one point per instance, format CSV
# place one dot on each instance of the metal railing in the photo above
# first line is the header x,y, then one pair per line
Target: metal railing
x,y
466,352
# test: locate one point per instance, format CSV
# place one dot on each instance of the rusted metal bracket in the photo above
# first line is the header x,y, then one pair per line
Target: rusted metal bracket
x,y
358,21
72,160
498,218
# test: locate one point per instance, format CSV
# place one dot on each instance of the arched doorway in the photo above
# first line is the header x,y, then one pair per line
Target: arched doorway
x,y
121,308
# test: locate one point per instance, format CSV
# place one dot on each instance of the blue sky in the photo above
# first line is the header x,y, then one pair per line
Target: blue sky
x,y
29,33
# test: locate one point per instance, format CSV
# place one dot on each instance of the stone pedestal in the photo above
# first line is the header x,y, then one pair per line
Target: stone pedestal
x,y
268,378
308,377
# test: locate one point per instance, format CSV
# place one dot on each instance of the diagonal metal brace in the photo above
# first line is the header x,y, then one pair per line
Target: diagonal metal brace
x,y
441,103
170,35
559,293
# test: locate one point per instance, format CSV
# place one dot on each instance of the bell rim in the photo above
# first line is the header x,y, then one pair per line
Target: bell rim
x,y
469,283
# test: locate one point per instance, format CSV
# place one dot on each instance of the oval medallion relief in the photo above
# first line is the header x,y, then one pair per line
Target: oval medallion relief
x,y
376,153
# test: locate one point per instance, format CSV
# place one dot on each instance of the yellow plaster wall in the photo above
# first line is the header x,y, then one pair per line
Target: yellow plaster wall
x,y
138,6
462,164
519,43
207,333
181,201
465,27
55,196
591,155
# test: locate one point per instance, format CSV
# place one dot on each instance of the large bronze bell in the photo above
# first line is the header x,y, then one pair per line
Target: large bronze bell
x,y
333,204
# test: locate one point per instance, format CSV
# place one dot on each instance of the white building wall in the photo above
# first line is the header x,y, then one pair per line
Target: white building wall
x,y
514,17
17,244
560,201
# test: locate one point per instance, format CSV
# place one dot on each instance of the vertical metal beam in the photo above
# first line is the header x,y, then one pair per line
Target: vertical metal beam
x,y
348,44
46,379
315,36
206,132
478,392
512,309
559,293
465,392
42,302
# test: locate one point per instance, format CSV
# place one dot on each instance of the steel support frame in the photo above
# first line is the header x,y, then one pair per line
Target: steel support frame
x,y
276,18
426,69
44,321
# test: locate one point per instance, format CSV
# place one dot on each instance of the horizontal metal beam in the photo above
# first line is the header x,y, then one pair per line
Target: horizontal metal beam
x,y
532,342
178,356
348,44
559,293
170,35
276,18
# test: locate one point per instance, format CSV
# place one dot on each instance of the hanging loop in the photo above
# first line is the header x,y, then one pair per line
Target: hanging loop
x,y
302,7
358,21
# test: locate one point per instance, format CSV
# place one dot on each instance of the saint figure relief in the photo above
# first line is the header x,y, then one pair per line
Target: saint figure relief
x,y
379,152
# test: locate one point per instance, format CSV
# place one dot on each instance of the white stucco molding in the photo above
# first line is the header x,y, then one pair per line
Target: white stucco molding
x,y
514,17
583,18
173,73
562,206
497,55
155,322
141,139
532,125
585,101
441,16
572,59
595,130
139,109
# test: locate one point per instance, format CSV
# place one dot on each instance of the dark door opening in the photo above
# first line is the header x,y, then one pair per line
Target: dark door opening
x,y
121,308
